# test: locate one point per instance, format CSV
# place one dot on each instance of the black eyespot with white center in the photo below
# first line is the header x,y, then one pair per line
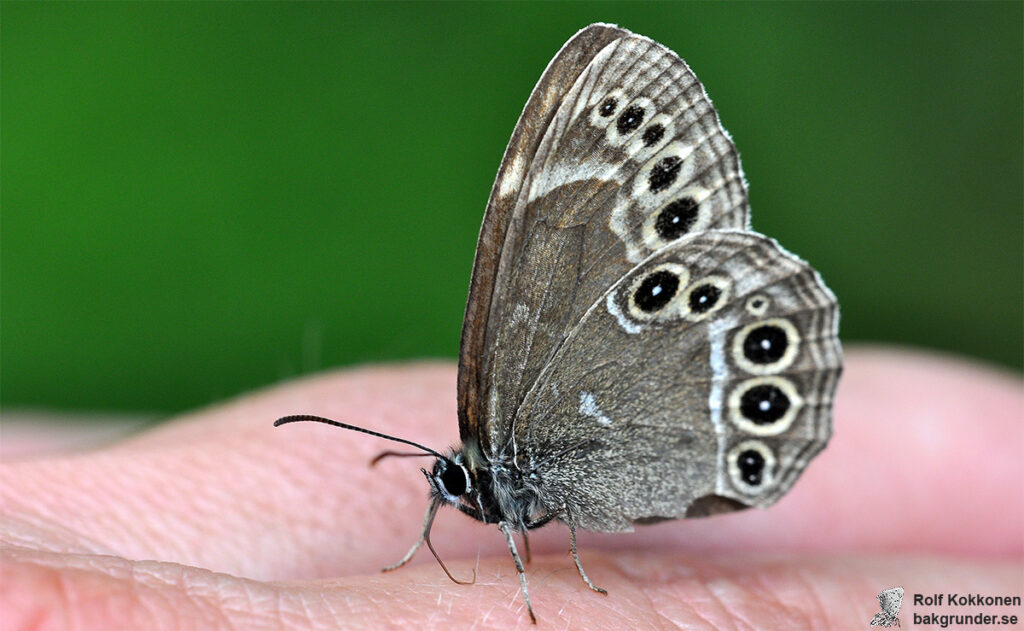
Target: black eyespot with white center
x,y
630,120
676,219
664,173
653,134
703,298
608,107
656,291
766,347
765,344
764,404
751,467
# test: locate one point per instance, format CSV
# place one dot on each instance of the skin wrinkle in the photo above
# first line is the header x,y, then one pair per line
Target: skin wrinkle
x,y
739,615
64,596
157,600
647,593
712,598
773,600
330,609
661,616
810,588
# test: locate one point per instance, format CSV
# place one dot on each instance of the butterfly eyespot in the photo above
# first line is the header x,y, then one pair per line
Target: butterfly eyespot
x,y
765,344
655,291
705,296
654,294
664,173
676,219
764,406
607,108
766,347
757,305
653,134
630,120
751,466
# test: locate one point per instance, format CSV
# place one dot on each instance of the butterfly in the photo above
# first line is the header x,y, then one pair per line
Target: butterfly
x,y
890,600
631,351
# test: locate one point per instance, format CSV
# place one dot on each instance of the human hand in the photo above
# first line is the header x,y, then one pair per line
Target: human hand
x,y
216,519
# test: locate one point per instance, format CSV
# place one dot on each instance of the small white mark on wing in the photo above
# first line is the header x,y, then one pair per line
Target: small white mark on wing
x,y
513,178
567,173
520,314
613,308
588,407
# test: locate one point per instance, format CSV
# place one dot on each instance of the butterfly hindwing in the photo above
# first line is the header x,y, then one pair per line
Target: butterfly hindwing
x,y
630,157
701,381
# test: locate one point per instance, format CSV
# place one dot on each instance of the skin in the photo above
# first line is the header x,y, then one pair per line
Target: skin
x,y
218,520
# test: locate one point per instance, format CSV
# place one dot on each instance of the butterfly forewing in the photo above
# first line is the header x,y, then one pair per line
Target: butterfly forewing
x,y
557,79
632,158
701,381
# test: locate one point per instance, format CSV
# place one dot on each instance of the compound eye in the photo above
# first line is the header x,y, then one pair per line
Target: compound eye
x,y
453,480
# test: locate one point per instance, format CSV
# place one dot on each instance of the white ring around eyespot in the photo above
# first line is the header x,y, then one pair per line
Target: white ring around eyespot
x,y
770,429
767,473
784,362
677,149
671,307
758,311
649,233
721,282
595,111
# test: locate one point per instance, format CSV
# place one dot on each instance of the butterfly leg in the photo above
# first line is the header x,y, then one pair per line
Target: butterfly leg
x,y
576,556
526,548
428,521
506,529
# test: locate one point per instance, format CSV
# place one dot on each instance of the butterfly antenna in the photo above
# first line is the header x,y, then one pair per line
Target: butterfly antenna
x,y
295,418
396,454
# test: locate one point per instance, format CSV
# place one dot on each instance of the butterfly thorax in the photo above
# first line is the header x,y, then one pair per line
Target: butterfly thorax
x,y
491,490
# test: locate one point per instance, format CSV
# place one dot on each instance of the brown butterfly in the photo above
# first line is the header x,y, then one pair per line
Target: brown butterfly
x,y
631,351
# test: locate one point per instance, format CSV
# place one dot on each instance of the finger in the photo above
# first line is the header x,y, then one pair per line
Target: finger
x,y
645,591
35,435
223,490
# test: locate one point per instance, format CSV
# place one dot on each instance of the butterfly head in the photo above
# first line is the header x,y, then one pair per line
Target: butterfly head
x,y
450,479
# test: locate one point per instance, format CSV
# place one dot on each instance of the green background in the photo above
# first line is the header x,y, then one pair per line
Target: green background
x,y
198,199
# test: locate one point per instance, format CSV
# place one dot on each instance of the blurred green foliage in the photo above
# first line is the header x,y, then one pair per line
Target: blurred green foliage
x,y
199,199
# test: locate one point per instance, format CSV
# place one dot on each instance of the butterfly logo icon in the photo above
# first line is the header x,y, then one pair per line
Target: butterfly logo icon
x,y
890,601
